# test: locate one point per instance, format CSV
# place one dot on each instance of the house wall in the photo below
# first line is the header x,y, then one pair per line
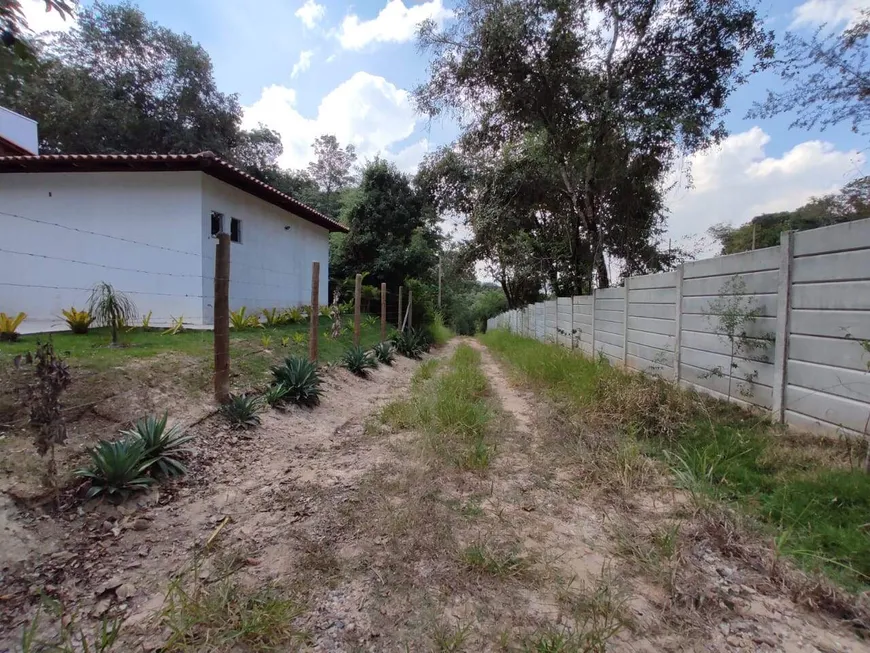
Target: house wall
x,y
810,362
135,230
271,266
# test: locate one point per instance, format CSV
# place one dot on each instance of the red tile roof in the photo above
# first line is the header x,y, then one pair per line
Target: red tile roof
x,y
207,162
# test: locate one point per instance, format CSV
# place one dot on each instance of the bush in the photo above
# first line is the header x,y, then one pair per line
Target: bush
x,y
301,378
385,352
276,394
117,469
162,448
358,361
243,411
78,321
411,343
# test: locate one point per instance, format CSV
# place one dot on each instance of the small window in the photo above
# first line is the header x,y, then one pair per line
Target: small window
x,y
235,230
217,223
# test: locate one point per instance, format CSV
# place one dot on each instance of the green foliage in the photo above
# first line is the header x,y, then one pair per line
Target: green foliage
x,y
294,315
111,308
585,141
852,202
392,233
117,469
176,326
358,361
440,333
385,352
302,379
275,394
273,317
411,343
241,320
162,448
266,341
166,101
243,411
71,636
146,321
77,321
299,338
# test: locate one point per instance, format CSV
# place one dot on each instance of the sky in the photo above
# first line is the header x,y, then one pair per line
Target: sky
x,y
309,67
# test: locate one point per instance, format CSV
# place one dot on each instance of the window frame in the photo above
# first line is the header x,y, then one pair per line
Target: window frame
x,y
220,217
237,223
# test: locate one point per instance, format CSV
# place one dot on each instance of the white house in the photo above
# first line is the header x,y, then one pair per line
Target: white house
x,y
146,224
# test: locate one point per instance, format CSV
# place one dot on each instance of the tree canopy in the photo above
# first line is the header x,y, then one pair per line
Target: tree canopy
x,y
596,99
852,202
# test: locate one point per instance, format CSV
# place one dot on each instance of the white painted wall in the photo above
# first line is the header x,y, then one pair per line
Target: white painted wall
x,y
20,130
152,208
271,267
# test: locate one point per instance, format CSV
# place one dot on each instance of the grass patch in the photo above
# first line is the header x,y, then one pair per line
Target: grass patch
x,y
451,409
440,333
805,490
227,616
482,558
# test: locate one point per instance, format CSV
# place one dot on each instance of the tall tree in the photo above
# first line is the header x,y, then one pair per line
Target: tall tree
x,y
331,169
614,89
392,231
827,78
14,28
119,83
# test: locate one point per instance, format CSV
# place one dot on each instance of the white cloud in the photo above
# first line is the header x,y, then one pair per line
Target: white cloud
x,y
303,64
39,20
813,13
408,159
395,23
365,110
736,181
310,13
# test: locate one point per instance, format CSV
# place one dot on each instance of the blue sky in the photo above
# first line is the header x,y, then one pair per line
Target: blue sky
x,y
307,67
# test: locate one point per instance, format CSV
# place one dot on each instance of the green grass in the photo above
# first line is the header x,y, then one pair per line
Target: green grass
x,y
440,333
802,489
249,360
452,409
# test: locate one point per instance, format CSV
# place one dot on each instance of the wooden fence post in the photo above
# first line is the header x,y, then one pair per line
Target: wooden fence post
x,y
222,319
383,312
783,317
399,322
410,309
314,318
357,306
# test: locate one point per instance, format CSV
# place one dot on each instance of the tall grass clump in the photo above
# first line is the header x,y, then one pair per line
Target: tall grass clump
x,y
440,333
452,410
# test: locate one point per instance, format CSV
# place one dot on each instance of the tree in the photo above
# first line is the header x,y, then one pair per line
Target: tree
x,y
392,231
331,168
827,78
119,83
610,90
257,151
852,202
13,25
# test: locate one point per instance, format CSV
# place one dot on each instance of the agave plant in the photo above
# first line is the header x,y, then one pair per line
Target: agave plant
x,y
78,321
301,378
241,319
385,352
294,315
275,394
117,469
243,411
410,343
176,326
359,361
9,326
273,317
162,447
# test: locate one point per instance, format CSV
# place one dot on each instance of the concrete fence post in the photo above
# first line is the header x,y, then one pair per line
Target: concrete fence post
x,y
222,319
625,323
594,290
678,324
783,316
